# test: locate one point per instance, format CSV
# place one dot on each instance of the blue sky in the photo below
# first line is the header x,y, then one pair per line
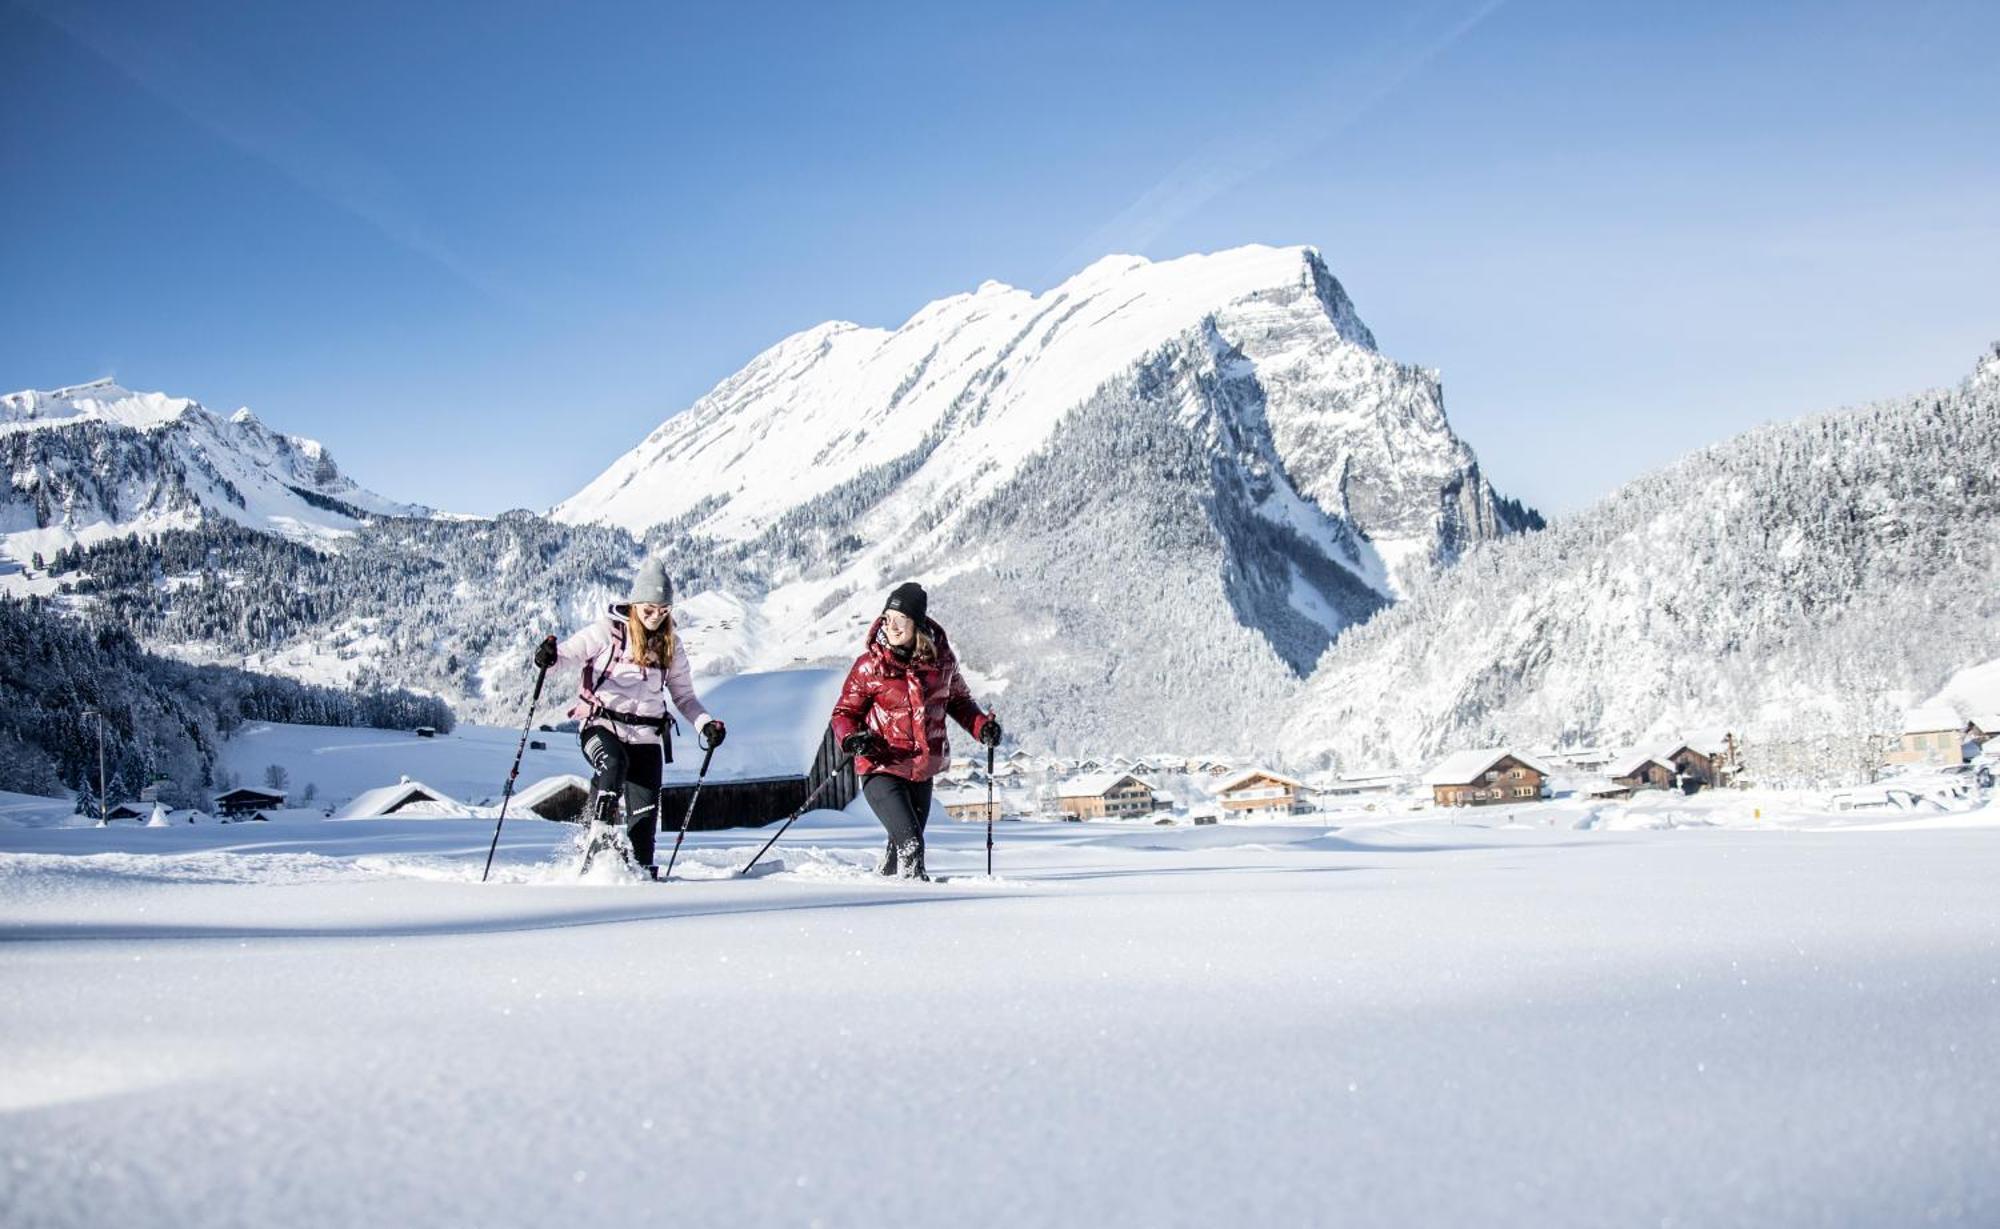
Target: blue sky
x,y
481,250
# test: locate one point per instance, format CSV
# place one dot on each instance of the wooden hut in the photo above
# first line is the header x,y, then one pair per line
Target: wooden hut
x,y
1488,777
780,749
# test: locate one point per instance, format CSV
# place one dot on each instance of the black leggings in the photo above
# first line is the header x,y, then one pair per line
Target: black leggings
x,y
903,806
634,770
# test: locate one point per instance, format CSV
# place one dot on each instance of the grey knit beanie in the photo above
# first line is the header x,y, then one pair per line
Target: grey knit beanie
x,y
651,585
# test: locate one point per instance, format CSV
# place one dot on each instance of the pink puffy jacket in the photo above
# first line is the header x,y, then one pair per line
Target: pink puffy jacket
x,y
614,684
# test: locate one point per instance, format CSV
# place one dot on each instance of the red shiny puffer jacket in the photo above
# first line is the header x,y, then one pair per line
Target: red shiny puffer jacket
x,y
905,705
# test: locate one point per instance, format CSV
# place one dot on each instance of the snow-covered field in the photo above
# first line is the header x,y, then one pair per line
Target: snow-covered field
x,y
1404,1022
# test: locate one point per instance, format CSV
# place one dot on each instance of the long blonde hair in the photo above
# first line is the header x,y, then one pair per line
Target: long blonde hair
x,y
649,648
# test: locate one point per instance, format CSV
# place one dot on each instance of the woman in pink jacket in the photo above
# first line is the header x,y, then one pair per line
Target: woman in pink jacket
x,y
632,663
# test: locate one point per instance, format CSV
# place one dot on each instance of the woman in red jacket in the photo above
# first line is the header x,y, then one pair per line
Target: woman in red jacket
x,y
891,718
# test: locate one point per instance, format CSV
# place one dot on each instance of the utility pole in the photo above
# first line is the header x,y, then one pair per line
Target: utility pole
x,y
103,804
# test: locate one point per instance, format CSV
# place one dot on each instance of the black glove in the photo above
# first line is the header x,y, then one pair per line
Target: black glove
x,y
989,734
858,742
712,732
545,653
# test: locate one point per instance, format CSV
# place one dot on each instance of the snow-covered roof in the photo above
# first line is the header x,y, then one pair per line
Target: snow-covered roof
x,y
1634,759
1600,787
401,796
1931,720
776,719
246,793
1465,767
549,787
1238,780
289,815
1987,721
1095,785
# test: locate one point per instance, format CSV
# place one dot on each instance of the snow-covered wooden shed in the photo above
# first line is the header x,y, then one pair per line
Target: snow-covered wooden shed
x,y
406,799
780,747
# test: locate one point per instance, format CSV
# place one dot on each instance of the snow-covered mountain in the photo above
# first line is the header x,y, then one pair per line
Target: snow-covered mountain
x,y
1154,484
1789,583
97,460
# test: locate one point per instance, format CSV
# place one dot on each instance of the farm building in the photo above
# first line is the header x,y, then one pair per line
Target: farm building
x,y
1666,765
406,799
780,748
1933,736
1105,795
245,800
1486,778
1259,791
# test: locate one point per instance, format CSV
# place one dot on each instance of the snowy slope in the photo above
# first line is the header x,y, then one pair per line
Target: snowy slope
x,y
1788,584
977,383
96,460
1125,490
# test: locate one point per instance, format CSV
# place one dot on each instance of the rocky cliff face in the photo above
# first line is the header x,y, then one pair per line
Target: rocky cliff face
x,y
1196,472
1788,585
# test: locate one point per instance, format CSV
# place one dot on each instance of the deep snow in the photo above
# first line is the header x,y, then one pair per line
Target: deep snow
x,y
1407,1021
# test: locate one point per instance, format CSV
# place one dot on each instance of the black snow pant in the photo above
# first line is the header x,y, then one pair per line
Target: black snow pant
x,y
903,806
632,769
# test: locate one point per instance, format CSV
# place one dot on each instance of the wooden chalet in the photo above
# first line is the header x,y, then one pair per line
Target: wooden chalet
x,y
246,800
1490,777
560,798
1259,791
1930,736
1105,795
1666,765
968,803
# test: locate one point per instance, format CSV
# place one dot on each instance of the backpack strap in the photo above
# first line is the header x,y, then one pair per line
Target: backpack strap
x,y
592,672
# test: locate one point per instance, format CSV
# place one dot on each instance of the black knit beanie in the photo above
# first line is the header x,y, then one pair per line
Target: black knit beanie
x,y
909,598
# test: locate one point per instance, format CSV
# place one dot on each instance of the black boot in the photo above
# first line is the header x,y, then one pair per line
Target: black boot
x,y
910,860
887,865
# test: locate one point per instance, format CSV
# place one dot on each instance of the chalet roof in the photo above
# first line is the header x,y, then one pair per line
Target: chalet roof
x,y
387,799
548,787
1933,720
1987,720
1631,760
777,724
291,815
1096,784
1466,767
1238,780
246,794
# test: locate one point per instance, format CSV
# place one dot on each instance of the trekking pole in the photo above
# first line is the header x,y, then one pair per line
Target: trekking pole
x,y
708,753
507,795
831,777
989,809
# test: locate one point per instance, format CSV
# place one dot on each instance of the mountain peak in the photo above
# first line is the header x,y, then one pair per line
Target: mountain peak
x,y
174,462
1986,372
100,400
